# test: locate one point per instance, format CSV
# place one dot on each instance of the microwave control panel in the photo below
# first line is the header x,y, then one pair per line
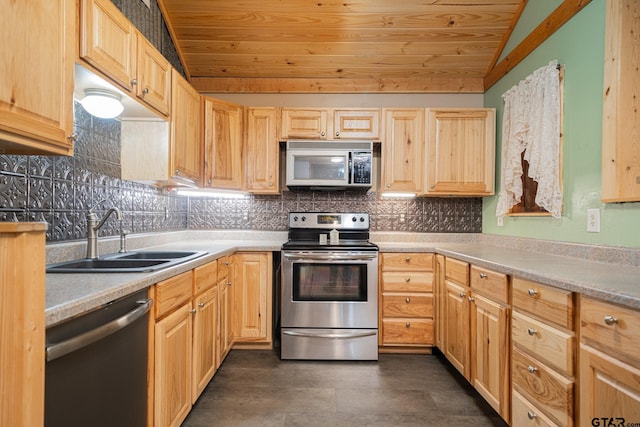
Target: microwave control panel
x,y
361,168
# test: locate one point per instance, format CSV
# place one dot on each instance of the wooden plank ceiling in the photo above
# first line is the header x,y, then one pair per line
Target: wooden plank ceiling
x,y
340,46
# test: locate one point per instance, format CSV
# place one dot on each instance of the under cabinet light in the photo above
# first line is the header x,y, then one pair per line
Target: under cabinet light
x,y
211,193
399,195
102,103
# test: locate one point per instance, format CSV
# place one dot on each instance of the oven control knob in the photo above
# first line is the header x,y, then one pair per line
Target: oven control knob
x,y
304,218
361,219
295,219
354,219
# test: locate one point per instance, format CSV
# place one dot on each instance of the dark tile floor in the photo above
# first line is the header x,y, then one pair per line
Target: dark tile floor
x,y
256,388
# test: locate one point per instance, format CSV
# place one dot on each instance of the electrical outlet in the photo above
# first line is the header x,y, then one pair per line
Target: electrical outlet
x,y
593,220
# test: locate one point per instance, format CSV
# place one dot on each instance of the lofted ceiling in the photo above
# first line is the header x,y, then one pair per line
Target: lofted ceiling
x,y
340,46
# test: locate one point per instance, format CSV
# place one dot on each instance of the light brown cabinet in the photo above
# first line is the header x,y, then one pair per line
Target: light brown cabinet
x,y
403,150
439,299
460,152
222,144
185,142
305,123
262,151
36,78
609,362
252,299
476,330
22,322
544,352
111,45
349,123
621,121
406,302
226,306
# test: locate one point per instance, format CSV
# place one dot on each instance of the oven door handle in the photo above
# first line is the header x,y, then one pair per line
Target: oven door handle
x,y
330,257
333,335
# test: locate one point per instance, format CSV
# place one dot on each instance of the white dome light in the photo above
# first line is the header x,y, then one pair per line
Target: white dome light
x,y
102,103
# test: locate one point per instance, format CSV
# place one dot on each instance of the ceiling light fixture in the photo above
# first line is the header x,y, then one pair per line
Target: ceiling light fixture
x,y
102,103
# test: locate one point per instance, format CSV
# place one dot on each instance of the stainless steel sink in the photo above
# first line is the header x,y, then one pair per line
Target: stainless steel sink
x,y
129,262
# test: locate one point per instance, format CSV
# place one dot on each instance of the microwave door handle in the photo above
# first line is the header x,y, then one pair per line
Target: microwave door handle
x,y
350,168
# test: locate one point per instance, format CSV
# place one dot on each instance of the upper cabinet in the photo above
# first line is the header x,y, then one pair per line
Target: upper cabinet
x,y
111,45
262,151
402,150
357,123
222,144
185,158
307,123
36,77
460,152
621,119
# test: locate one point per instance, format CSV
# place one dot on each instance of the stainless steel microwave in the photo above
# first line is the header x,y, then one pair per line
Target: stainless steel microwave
x,y
329,165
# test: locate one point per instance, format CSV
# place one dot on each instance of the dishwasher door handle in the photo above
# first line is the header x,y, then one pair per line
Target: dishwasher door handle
x,y
57,350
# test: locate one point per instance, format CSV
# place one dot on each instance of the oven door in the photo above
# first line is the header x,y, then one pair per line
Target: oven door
x,y
329,289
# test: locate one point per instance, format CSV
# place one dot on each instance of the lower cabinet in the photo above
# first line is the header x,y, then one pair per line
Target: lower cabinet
x,y
609,364
225,304
252,295
406,302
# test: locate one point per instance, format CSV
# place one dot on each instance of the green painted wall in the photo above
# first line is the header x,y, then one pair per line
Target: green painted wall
x,y
579,45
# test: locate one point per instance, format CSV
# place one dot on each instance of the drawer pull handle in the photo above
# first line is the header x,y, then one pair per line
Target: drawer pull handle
x,y
407,300
532,292
610,320
407,259
483,276
532,369
462,294
193,311
471,299
531,415
531,331
201,305
408,279
407,325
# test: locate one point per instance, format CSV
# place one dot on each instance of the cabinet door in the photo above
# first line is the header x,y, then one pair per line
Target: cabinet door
x,y
460,153
153,77
205,325
305,123
439,301
456,328
252,293
172,400
36,77
223,144
185,159
402,150
357,124
490,352
262,151
609,388
108,41
225,294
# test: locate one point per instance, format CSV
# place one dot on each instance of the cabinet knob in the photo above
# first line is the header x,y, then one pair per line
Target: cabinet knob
x,y
209,181
433,187
270,184
531,415
134,82
531,331
193,311
407,259
145,91
201,305
483,276
407,300
532,369
533,292
610,320
407,325
388,185
73,137
177,171
462,294
229,283
337,133
226,263
323,133
407,280
471,299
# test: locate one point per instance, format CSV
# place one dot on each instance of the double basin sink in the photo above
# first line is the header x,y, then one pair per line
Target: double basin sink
x,y
128,262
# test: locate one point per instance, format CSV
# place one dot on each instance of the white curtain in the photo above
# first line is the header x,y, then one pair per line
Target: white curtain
x,y
531,123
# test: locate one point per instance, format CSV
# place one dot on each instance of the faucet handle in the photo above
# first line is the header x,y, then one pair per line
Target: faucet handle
x,y
123,241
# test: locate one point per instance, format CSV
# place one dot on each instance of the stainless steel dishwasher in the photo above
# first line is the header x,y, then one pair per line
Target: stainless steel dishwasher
x,y
96,370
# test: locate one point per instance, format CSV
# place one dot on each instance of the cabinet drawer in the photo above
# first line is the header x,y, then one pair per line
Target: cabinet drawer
x,y
409,331
172,293
555,347
407,262
407,306
611,326
204,277
224,264
490,283
548,303
409,281
525,413
548,390
458,271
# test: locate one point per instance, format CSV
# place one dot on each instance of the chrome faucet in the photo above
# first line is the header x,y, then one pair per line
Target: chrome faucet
x,y
93,225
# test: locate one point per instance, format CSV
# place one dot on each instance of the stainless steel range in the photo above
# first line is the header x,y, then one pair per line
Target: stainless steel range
x,y
329,304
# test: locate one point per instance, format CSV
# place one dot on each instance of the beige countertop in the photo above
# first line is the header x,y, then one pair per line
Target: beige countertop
x,y
69,295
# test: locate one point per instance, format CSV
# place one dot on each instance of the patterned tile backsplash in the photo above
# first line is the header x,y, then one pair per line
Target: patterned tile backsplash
x,y
60,190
